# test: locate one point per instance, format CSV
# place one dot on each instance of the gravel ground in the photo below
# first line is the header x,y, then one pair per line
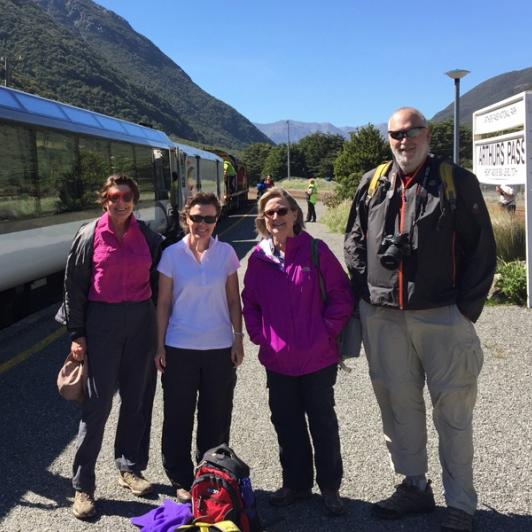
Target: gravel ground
x,y
503,438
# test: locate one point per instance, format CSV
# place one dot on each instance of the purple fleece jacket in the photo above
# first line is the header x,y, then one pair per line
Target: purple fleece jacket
x,y
284,311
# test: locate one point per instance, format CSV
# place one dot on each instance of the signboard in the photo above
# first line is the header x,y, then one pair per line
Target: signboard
x,y
502,154
500,151
501,160
500,118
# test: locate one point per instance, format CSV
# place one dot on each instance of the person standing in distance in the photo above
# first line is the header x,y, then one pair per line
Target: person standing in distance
x,y
312,198
422,264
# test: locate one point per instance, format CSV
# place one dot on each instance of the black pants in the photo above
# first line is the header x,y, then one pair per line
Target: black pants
x,y
311,212
209,378
290,399
121,341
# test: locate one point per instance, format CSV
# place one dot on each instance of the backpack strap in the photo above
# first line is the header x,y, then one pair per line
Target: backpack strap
x,y
374,182
316,264
447,179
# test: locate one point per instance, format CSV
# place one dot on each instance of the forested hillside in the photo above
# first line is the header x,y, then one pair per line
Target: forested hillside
x,y
80,53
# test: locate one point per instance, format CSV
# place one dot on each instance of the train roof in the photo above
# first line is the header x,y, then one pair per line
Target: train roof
x,y
28,108
190,150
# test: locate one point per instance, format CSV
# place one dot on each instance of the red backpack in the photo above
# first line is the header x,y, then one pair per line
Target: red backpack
x,y
217,490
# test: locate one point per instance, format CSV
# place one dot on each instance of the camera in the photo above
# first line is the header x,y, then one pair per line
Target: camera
x,y
393,248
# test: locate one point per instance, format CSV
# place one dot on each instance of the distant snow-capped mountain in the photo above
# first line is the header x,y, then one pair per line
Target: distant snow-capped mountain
x,y
278,131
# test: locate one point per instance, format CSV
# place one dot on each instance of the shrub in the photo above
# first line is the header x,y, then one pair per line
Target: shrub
x,y
331,200
510,284
510,234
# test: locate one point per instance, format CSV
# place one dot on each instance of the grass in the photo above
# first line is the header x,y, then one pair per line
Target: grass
x,y
335,218
299,183
510,234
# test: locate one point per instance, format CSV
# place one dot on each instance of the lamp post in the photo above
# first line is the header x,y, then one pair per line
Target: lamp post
x,y
457,75
288,150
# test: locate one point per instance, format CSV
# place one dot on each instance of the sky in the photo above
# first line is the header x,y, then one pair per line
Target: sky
x,y
347,62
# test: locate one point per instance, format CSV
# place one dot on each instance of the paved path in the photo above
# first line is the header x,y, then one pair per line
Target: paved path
x,y
38,428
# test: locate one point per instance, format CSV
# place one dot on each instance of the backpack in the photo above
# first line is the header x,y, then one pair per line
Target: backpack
x,y
222,490
446,176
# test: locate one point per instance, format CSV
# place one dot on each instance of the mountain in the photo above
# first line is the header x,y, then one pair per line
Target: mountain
x,y
278,131
80,53
490,91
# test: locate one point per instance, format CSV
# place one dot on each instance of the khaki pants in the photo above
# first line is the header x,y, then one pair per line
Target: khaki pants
x,y
405,348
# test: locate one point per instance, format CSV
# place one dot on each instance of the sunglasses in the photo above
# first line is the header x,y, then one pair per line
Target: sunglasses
x,y
197,219
283,211
406,133
125,196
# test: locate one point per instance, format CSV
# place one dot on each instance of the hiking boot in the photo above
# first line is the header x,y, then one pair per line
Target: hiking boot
x,y
332,504
406,499
135,482
83,507
182,495
456,520
286,496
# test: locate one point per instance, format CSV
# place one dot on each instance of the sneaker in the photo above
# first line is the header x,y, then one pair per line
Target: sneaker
x,y
332,504
84,506
406,499
456,520
135,482
286,496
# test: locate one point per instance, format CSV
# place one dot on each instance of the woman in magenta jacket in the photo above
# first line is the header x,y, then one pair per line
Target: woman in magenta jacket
x,y
296,330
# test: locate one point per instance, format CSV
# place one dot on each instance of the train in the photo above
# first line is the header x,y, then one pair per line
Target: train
x,y
53,159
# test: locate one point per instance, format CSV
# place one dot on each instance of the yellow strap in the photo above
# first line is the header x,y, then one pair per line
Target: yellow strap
x,y
446,175
223,526
374,183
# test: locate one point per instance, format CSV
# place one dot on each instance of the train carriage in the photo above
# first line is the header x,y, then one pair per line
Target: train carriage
x,y
53,159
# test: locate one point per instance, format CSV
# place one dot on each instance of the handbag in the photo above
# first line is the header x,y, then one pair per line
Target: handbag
x,y
350,339
72,379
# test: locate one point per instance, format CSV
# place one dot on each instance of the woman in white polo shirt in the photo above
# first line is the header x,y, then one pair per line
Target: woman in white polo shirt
x,y
199,320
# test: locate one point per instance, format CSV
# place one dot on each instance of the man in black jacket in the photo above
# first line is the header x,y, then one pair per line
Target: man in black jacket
x,y
421,261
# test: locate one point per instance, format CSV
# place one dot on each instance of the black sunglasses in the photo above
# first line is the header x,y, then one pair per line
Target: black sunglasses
x,y
197,219
409,133
283,211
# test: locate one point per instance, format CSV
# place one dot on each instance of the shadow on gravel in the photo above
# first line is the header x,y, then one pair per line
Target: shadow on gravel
x,y
308,515
37,424
238,229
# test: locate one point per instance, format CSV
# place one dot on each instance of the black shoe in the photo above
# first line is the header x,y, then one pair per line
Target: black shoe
x,y
406,499
456,520
332,504
286,496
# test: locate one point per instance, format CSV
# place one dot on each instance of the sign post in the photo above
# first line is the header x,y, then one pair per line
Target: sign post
x,y
502,154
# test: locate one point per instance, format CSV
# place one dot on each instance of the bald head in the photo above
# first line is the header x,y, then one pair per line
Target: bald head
x,y
410,146
408,112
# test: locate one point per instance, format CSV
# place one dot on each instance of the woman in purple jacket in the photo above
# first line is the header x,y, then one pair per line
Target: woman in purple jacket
x,y
296,330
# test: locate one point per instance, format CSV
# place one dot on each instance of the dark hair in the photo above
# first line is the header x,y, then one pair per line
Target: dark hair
x,y
200,198
278,192
114,181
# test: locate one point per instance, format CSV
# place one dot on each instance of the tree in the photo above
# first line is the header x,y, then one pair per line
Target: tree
x,y
254,157
320,151
364,151
442,141
276,162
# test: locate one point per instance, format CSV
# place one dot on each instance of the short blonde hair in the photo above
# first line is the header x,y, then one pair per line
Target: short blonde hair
x,y
278,192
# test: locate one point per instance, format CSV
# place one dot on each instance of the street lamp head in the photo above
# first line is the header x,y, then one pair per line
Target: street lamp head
x,y
457,73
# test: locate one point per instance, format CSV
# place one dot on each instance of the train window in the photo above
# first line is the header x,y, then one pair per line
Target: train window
x,y
57,186
123,159
94,167
145,164
17,173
